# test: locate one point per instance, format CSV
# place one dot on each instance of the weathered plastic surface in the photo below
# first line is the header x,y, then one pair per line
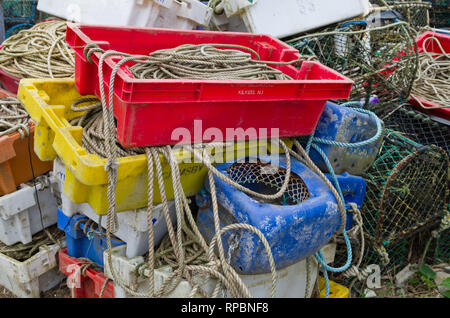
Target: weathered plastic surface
x,y
186,14
15,167
20,217
354,190
84,240
290,17
35,275
336,290
88,285
48,102
293,231
133,224
8,81
344,124
291,280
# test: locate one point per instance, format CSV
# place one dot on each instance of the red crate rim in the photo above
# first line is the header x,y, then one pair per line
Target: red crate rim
x,y
126,76
6,73
440,112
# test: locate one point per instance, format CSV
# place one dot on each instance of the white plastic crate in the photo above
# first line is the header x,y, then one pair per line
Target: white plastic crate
x,y
35,275
184,14
291,280
133,225
289,17
20,217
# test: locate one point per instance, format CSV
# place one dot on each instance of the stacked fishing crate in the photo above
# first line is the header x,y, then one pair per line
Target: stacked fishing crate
x,y
28,207
82,177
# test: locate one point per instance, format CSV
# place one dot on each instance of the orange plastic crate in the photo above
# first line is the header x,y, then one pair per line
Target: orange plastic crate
x,y
15,167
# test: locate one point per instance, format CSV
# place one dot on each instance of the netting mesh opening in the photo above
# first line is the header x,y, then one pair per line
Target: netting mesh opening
x,y
419,127
415,194
406,189
442,251
381,62
265,178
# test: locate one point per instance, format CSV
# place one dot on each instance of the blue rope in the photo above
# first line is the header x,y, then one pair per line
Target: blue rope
x,y
319,255
17,26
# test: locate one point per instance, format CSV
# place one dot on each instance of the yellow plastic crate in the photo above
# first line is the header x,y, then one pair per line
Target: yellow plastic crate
x,y
48,102
336,290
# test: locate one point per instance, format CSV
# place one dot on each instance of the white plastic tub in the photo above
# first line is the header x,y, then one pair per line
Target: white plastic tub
x,y
133,225
289,17
291,280
20,218
184,14
35,275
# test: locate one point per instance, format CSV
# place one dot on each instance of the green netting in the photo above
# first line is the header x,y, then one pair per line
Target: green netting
x,y
406,190
399,254
442,251
380,60
422,129
419,127
406,199
21,11
415,12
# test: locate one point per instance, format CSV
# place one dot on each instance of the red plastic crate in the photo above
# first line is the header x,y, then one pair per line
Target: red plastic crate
x,y
9,82
432,46
148,111
91,284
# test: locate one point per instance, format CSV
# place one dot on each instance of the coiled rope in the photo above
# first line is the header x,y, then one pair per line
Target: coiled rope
x,y
39,52
21,252
202,61
433,78
13,117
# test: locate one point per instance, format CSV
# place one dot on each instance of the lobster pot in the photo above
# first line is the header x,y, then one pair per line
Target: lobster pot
x,y
419,127
295,225
381,62
20,15
416,13
406,190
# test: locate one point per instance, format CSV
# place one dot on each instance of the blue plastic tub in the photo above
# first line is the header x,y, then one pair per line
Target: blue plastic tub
x,y
79,244
296,226
344,124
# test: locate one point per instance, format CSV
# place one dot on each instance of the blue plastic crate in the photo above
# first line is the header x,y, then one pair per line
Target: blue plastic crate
x,y
90,245
296,226
345,124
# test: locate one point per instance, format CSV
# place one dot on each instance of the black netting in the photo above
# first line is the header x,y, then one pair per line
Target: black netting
x,y
265,178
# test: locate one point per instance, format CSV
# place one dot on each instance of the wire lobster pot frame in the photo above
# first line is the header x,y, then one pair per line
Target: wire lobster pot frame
x,y
407,190
381,60
419,127
416,13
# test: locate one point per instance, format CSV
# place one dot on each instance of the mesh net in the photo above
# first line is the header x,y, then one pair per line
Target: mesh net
x,y
402,253
419,127
415,12
20,15
406,198
406,190
439,15
265,178
20,11
381,61
442,250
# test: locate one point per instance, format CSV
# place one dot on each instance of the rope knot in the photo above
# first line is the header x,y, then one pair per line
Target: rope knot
x,y
111,164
